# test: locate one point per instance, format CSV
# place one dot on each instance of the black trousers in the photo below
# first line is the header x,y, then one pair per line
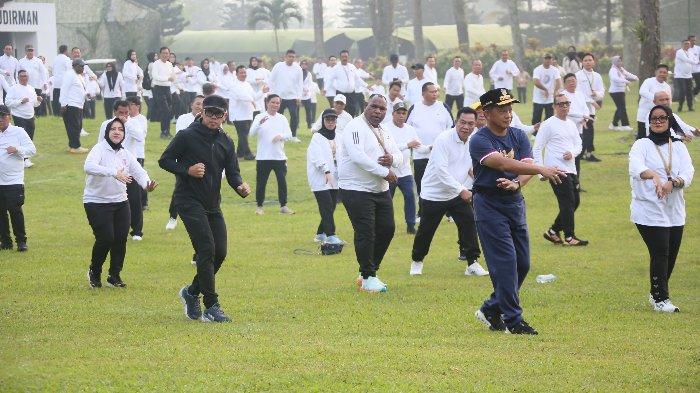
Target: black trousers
x,y
330,101
89,109
263,169
432,214
73,120
310,111
685,92
41,109
131,94
327,201
522,94
163,106
537,110
456,100
187,97
11,201
696,79
144,193
207,231
293,114
178,106
360,102
110,225
418,172
620,116
150,111
663,244
109,107
320,83
55,104
172,209
350,104
569,199
587,136
29,125
134,194
372,218
242,129
641,130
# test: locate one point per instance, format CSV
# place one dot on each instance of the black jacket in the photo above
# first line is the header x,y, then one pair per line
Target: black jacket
x,y
215,150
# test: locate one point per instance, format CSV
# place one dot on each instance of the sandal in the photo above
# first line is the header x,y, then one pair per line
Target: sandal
x,y
574,241
553,236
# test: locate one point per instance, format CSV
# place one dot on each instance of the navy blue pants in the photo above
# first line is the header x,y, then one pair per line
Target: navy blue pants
x,y
502,228
405,184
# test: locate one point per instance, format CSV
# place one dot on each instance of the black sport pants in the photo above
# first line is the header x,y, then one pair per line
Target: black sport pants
x,y
163,107
663,244
11,201
620,116
457,100
73,120
327,201
568,198
537,110
110,225
243,129
29,125
263,169
419,166
293,114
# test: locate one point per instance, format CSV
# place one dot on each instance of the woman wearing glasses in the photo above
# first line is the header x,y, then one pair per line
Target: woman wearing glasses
x,y
660,168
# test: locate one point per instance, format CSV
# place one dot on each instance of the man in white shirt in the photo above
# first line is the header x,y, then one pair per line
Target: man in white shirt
x,y
319,70
15,146
72,100
454,91
8,65
474,83
258,78
367,156
242,100
446,189
547,81
647,90
430,70
695,49
61,65
329,91
503,71
162,78
362,87
680,129
578,112
22,99
341,121
558,137
683,75
395,71
191,86
414,89
590,83
344,79
287,81
37,75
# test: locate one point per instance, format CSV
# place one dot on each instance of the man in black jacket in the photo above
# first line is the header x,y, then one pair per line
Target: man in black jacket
x,y
197,156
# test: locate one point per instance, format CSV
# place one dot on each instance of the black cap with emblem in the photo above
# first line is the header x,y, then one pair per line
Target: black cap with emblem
x,y
215,102
497,97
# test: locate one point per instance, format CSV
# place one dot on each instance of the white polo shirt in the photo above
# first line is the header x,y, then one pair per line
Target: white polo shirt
x,y
273,126
548,77
402,136
14,98
453,81
554,138
12,165
447,173
429,122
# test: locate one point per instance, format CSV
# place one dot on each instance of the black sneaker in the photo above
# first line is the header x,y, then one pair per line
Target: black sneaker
x,y
94,278
552,236
6,246
411,229
592,158
249,157
521,328
115,281
462,255
574,241
490,319
22,246
193,309
215,314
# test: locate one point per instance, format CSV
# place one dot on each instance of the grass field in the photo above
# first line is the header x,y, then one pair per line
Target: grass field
x,y
299,322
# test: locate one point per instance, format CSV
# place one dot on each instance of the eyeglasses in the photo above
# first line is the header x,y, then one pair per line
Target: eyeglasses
x,y
660,119
564,103
214,113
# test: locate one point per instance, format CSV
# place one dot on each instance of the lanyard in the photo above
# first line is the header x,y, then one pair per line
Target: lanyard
x,y
377,133
667,165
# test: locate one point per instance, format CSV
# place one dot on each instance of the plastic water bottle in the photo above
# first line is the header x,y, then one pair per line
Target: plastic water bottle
x,y
545,278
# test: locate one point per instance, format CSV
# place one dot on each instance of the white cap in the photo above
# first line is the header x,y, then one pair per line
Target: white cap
x,y
340,98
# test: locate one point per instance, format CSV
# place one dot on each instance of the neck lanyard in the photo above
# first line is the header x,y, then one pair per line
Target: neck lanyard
x,y
377,133
667,165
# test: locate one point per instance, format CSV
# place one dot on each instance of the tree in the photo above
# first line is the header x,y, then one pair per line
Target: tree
x,y
318,27
608,22
459,9
649,34
382,16
171,20
571,19
630,22
354,13
418,29
277,13
234,14
517,37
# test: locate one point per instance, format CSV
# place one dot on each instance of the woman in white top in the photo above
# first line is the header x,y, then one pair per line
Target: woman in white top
x,y
109,168
205,74
322,173
132,74
308,95
619,79
660,168
272,130
112,85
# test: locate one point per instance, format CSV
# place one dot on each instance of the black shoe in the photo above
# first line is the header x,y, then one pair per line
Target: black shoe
x,y
574,241
581,189
552,236
249,157
22,246
144,207
193,309
411,229
6,246
462,255
94,279
115,281
521,328
592,158
491,319
215,314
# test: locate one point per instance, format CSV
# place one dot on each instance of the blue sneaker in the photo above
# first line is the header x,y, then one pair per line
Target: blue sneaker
x,y
372,285
192,308
215,314
333,239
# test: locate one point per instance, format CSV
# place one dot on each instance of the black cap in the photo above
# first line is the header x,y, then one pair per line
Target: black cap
x,y
497,97
328,113
216,102
4,110
400,105
78,62
417,66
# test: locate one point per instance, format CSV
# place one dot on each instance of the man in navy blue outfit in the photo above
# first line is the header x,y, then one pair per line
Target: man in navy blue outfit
x,y
502,161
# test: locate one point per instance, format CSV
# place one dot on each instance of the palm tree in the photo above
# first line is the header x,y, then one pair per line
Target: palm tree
x,y
418,28
318,27
277,13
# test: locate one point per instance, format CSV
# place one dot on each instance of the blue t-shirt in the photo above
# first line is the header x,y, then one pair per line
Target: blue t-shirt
x,y
484,143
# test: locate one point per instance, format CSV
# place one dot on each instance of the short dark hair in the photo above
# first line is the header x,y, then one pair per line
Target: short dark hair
x,y
457,57
331,56
134,100
567,76
290,52
74,48
239,67
395,83
21,71
62,48
344,51
119,104
162,48
465,110
199,96
270,97
208,89
588,54
425,86
659,66
10,45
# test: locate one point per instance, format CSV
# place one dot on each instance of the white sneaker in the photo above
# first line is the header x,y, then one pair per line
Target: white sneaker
x,y
295,140
663,306
320,238
450,219
417,220
372,285
137,238
475,269
259,211
172,223
286,210
28,163
84,133
380,282
625,128
416,268
333,239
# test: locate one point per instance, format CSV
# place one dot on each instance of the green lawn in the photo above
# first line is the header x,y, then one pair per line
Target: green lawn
x,y
299,322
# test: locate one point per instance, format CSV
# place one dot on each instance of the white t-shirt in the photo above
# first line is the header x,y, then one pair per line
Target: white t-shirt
x,y
548,77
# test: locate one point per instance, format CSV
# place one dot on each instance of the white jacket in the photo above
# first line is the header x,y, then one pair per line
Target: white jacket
x,y
101,167
321,158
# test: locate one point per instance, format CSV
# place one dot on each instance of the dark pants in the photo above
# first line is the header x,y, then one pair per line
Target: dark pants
x,y
187,97
89,109
457,100
663,244
293,114
696,78
685,92
11,201
418,171
360,102
178,107
502,228
73,120
568,198
372,218
144,193
110,225
620,116
242,129
131,94
405,184
587,136
207,231
28,125
330,101
537,110
522,94
109,107
462,214
310,110
172,209
327,201
351,103
41,109
263,169
320,83
641,130
134,193
162,105
55,104
150,110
